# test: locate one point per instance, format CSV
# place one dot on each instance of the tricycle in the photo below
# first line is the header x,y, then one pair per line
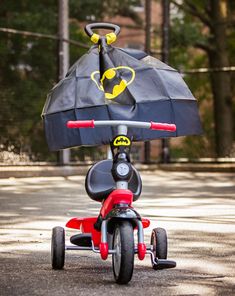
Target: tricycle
x,y
116,184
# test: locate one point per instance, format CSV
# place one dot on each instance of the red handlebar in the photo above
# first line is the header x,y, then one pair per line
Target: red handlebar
x,y
163,126
80,123
136,124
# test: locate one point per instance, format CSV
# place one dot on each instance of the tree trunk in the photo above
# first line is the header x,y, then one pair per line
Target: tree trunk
x,y
221,81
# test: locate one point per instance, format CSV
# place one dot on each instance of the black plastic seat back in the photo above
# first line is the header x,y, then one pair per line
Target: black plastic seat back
x,y
99,181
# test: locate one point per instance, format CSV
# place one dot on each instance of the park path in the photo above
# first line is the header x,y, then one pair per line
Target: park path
x,y
197,210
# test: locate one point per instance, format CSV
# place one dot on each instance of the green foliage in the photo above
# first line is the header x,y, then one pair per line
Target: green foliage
x,y
25,73
97,10
28,65
189,37
184,34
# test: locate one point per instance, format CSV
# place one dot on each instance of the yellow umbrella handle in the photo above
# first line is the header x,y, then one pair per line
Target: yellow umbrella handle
x,y
110,37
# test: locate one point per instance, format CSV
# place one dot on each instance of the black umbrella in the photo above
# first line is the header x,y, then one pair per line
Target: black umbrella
x,y
110,83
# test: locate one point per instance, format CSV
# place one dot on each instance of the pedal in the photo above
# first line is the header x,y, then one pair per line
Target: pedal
x,y
81,240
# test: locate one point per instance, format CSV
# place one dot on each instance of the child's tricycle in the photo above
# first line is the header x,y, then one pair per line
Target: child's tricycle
x,y
116,184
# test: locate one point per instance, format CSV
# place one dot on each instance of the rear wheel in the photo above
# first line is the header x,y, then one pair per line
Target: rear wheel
x,y
123,259
159,243
57,247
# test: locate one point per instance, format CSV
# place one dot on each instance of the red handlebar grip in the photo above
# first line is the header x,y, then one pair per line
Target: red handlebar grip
x,y
81,123
163,126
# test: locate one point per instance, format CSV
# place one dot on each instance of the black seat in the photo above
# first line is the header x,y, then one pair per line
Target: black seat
x,y
99,181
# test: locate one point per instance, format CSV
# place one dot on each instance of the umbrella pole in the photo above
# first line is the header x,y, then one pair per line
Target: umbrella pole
x,y
165,154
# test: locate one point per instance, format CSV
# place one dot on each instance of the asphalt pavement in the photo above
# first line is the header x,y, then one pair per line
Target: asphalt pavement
x,y
196,209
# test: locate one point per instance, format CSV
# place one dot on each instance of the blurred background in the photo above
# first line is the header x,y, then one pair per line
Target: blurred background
x,y
39,39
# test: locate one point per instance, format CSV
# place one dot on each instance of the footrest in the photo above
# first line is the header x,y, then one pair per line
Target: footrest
x,y
164,263
81,240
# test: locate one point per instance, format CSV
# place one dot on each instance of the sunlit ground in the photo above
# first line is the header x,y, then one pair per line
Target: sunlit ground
x,y
197,210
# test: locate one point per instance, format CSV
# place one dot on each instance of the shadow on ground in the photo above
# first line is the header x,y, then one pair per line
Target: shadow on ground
x,y
197,209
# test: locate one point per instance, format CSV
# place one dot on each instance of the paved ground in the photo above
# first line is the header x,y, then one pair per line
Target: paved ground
x,y
197,209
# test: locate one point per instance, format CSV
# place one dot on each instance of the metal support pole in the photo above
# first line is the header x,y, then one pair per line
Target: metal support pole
x,y
165,155
147,145
63,58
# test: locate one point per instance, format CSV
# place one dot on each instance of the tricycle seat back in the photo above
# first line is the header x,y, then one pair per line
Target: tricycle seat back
x,y
100,183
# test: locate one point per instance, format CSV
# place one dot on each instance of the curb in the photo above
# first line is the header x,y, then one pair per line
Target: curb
x,y
25,171
41,171
199,167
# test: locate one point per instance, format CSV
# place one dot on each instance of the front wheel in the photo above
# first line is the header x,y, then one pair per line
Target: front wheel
x,y
57,247
123,259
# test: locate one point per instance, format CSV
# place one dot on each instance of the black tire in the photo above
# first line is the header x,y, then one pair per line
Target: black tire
x,y
57,247
123,260
159,243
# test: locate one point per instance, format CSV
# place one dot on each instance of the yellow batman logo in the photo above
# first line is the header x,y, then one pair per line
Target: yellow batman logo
x,y
111,74
122,141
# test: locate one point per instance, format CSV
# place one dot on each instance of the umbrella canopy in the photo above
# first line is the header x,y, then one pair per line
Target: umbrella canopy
x,y
110,83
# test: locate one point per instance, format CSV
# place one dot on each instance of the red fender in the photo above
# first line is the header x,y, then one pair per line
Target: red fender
x,y
117,196
86,225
